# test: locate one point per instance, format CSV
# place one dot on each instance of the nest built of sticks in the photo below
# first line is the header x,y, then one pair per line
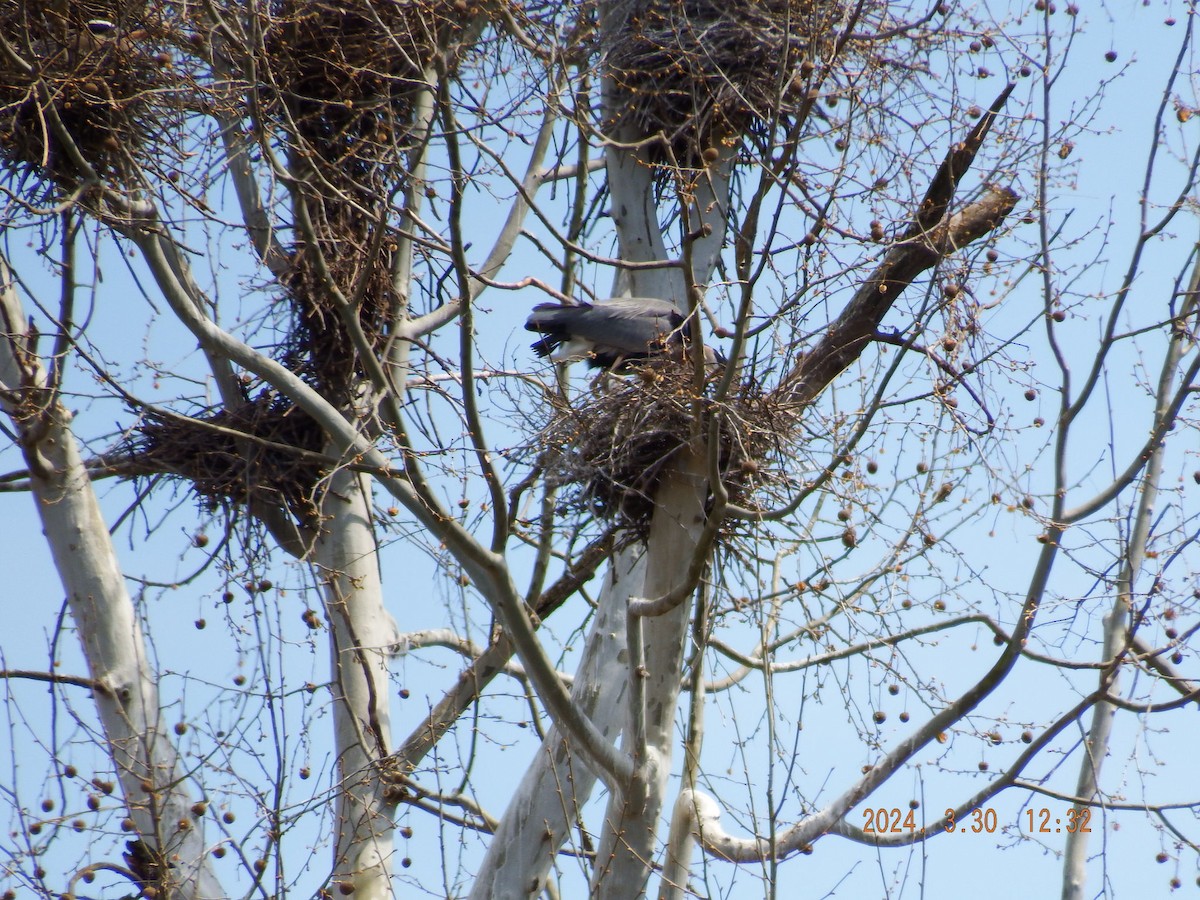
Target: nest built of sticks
x,y
348,112
239,456
338,85
346,81
83,86
608,449
343,79
702,72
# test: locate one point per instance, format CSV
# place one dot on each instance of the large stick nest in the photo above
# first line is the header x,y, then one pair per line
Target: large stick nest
x,y
68,88
254,453
609,449
701,72
342,81
343,76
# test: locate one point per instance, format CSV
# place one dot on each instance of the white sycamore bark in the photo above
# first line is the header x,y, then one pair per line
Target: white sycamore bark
x,y
1117,637
547,805
628,840
146,762
361,633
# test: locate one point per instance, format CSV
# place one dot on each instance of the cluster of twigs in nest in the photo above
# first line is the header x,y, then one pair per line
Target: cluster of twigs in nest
x,y
704,71
319,347
343,79
78,91
610,447
266,451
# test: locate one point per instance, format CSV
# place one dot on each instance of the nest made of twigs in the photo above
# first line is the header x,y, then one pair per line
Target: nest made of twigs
x,y
701,72
81,86
343,76
255,452
342,80
609,448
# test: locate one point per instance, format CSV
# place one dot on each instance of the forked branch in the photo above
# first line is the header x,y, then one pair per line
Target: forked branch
x,y
930,237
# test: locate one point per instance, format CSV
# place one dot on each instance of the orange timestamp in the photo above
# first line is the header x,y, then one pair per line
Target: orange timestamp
x,y
981,820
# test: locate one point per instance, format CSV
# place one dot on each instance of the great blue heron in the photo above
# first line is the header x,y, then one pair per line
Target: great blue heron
x,y
609,333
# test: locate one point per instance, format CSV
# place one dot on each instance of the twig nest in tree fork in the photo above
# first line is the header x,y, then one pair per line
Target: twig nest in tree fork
x,y
342,75
340,81
103,83
703,71
326,79
206,454
609,447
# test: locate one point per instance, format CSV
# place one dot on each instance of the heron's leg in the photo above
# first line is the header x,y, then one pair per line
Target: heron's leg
x,y
602,379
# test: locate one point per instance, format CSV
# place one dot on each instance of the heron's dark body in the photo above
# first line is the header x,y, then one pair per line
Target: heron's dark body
x,y
608,332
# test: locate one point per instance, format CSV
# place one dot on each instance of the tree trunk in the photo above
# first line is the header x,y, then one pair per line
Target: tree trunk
x,y
548,803
361,635
146,761
627,846
1117,635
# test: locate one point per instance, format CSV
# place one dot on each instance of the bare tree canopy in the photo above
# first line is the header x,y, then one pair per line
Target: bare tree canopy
x,y
866,564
